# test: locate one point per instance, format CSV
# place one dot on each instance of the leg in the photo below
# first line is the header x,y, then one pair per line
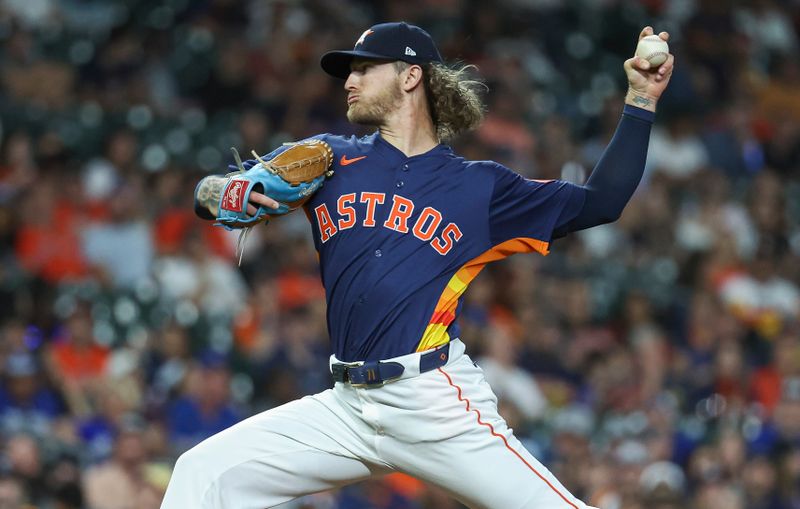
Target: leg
x,y
468,450
302,447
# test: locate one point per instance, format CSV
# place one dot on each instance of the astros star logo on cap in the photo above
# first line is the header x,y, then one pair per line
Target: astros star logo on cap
x,y
364,36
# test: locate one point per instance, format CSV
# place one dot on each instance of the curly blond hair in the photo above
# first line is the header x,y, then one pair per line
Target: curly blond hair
x,y
454,100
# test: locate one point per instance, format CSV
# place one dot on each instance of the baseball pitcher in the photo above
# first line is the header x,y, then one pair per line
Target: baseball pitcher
x,y
402,225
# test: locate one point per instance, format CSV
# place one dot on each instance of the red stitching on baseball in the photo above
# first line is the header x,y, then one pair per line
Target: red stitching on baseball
x,y
501,437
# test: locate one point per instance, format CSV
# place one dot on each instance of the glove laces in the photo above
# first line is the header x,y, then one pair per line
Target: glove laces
x,y
240,243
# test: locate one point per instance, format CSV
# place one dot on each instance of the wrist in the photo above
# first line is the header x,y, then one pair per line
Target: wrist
x,y
209,191
641,100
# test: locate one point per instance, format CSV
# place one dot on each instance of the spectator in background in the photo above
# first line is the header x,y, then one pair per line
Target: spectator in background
x,y
25,403
648,342
12,494
121,248
63,480
97,431
25,463
76,362
768,382
198,275
203,407
167,363
511,383
17,166
676,151
760,480
48,241
124,482
256,326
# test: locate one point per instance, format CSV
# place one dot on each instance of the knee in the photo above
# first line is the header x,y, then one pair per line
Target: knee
x,y
192,478
194,464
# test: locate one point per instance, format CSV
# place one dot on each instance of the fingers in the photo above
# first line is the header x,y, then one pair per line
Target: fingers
x,y
257,200
648,30
262,199
638,63
665,70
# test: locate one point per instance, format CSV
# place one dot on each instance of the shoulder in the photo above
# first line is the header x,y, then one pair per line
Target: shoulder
x,y
490,171
505,180
492,168
339,142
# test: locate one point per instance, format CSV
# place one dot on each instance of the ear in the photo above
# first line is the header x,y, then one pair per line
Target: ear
x,y
411,77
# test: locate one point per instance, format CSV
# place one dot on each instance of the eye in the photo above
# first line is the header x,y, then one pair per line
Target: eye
x,y
361,66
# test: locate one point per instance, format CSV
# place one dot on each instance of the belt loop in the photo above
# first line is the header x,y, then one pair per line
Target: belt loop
x,y
434,359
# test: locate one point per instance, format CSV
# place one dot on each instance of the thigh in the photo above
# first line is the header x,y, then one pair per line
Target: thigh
x,y
480,462
308,445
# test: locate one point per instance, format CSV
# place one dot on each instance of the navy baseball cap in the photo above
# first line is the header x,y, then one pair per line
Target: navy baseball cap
x,y
386,41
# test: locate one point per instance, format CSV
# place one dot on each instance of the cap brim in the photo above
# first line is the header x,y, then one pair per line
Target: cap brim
x,y
337,63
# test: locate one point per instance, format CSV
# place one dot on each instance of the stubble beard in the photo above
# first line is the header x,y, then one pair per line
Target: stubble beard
x,y
374,111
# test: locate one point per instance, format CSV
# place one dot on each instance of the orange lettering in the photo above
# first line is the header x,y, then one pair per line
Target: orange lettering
x,y
371,199
326,226
426,233
345,210
401,211
450,236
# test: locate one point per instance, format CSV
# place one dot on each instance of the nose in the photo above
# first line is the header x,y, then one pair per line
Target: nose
x,y
350,82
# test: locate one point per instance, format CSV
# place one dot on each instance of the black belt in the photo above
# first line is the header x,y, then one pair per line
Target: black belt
x,y
377,373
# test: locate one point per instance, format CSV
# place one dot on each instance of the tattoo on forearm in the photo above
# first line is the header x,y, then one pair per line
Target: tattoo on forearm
x,y
210,191
641,100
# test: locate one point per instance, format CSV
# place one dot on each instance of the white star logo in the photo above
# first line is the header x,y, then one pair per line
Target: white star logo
x,y
363,36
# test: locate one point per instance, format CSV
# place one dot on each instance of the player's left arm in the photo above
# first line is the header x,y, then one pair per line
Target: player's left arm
x,y
619,170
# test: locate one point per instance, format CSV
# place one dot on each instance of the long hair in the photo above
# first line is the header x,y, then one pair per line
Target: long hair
x,y
453,99
454,102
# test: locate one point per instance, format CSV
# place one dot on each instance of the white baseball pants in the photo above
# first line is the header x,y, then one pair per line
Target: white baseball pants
x,y
441,426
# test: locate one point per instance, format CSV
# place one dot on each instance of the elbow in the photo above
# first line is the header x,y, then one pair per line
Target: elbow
x,y
608,217
613,212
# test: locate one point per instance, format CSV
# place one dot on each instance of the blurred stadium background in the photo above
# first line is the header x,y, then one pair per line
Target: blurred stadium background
x,y
652,363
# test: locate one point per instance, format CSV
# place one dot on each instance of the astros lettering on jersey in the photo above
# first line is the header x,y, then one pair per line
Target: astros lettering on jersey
x,y
396,253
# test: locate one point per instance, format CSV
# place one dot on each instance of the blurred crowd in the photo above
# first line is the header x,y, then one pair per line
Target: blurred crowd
x,y
651,363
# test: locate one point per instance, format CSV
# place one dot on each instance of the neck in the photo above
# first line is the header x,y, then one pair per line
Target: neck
x,y
410,130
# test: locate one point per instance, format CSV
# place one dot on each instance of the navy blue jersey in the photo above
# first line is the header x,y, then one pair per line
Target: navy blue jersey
x,y
400,238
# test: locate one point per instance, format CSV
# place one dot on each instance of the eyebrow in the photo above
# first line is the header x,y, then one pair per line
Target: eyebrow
x,y
358,65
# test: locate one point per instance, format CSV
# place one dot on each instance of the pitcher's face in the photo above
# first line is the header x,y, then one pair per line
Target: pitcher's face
x,y
374,91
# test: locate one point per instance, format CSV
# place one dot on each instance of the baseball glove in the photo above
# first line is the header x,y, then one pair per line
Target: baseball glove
x,y
290,178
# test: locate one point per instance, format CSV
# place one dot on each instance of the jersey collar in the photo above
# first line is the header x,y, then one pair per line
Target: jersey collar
x,y
393,154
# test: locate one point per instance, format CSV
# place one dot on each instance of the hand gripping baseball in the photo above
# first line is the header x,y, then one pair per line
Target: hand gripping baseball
x,y
290,178
646,82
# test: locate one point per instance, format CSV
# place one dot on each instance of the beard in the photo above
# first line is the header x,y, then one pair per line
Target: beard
x,y
373,111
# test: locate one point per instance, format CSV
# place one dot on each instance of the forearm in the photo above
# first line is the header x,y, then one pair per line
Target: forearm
x,y
207,195
619,171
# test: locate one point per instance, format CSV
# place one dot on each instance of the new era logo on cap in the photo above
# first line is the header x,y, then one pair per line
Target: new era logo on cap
x,y
386,41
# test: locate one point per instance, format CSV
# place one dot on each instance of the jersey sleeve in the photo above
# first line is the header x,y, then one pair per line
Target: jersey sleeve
x,y
533,209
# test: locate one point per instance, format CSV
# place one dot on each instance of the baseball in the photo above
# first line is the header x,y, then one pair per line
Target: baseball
x,y
654,49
